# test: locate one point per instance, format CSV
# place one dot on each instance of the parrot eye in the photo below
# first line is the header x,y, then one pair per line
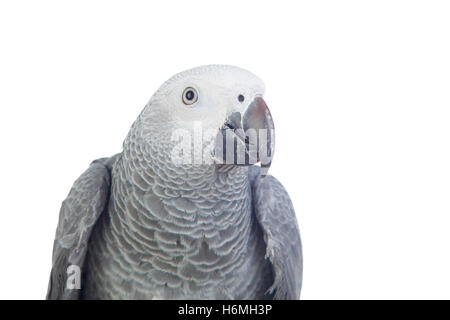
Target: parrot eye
x,y
241,98
190,95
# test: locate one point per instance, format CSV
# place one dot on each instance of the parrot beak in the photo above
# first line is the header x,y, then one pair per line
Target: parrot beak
x,y
247,138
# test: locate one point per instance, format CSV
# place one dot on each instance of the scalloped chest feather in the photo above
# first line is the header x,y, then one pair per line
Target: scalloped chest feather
x,y
176,233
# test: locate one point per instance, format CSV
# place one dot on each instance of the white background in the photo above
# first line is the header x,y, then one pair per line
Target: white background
x,y
360,95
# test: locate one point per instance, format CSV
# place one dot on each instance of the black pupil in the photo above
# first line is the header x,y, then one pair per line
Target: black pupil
x,y
190,95
241,98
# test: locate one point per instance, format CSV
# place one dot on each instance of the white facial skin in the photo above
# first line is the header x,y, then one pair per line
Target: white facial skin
x,y
218,88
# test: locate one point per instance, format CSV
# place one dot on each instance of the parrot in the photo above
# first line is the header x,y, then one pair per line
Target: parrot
x,y
187,209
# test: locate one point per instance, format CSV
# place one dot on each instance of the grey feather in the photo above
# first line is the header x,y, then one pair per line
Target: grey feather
x,y
141,226
78,215
275,213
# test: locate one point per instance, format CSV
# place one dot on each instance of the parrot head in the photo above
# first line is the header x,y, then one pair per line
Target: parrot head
x,y
217,110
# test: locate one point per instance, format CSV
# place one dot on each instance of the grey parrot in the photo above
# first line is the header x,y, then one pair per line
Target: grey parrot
x,y
181,213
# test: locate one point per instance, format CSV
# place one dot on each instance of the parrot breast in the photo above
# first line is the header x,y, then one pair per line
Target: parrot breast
x,y
176,232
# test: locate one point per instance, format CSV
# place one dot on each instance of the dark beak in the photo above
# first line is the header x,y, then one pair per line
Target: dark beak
x,y
246,139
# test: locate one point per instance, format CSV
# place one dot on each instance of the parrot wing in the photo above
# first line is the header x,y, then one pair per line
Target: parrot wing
x,y
79,213
274,211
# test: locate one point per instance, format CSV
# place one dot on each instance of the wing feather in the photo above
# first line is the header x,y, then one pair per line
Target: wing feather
x,y
79,212
275,213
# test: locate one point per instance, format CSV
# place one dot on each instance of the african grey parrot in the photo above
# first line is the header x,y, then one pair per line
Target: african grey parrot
x,y
147,223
